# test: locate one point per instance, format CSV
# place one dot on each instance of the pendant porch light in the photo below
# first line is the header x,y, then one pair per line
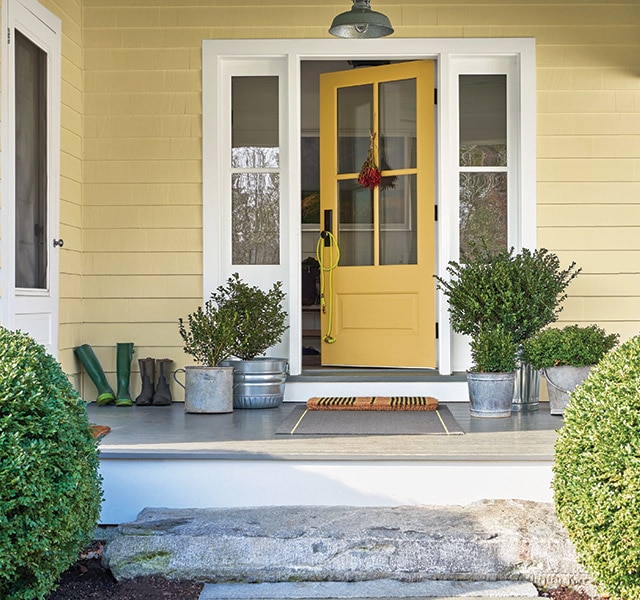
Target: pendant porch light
x,y
361,22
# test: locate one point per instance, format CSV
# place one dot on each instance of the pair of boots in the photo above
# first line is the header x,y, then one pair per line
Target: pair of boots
x,y
91,364
160,394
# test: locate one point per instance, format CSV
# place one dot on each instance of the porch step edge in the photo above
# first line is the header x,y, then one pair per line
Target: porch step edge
x,y
370,590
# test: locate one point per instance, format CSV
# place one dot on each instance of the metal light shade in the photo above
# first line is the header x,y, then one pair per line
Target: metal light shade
x,y
361,22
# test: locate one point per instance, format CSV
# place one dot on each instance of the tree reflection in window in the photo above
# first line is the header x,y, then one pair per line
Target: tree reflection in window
x,y
255,202
483,199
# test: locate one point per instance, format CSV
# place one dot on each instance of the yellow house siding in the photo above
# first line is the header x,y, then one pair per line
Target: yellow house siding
x,y
589,161
142,172
142,218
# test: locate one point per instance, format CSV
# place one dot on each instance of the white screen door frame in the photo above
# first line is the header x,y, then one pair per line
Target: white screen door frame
x,y
34,310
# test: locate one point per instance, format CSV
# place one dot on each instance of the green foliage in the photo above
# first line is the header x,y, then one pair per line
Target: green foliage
x,y
493,350
522,292
210,332
238,320
572,345
50,490
261,319
597,472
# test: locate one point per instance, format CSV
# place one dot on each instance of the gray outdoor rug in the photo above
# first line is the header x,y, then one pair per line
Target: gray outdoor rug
x,y
302,421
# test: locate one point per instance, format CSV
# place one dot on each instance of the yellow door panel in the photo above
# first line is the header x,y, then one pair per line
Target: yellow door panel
x,y
380,308
393,312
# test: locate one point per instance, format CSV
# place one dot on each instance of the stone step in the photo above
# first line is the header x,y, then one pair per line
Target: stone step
x,y
381,589
492,540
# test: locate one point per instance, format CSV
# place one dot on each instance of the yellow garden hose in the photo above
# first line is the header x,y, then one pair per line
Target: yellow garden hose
x,y
327,307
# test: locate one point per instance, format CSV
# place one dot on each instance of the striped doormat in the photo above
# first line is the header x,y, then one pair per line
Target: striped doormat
x,y
303,421
372,403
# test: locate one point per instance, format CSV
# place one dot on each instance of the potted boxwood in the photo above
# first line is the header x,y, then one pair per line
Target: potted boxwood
x,y
521,292
209,335
492,376
260,323
566,357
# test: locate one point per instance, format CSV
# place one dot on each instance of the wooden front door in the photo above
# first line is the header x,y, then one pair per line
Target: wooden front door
x,y
379,300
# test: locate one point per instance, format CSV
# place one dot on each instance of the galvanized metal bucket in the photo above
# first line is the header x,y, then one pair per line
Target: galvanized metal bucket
x,y
561,381
258,383
207,389
526,389
490,394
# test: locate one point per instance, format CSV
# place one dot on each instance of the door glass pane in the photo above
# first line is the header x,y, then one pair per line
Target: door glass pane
x,y
398,235
397,124
483,211
31,164
355,110
355,224
483,143
255,123
255,222
255,184
483,120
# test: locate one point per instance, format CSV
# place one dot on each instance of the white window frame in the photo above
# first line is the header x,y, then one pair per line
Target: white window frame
x,y
224,58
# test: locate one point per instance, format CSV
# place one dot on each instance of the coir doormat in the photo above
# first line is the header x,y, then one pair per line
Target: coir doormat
x,y
373,403
302,421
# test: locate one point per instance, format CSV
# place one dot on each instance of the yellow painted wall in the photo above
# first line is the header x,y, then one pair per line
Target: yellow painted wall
x,y
131,149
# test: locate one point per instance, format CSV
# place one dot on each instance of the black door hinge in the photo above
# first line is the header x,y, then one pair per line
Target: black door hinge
x,y
435,211
435,95
8,35
437,330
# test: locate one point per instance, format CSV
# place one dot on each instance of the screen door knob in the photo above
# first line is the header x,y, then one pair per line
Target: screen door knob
x,y
57,243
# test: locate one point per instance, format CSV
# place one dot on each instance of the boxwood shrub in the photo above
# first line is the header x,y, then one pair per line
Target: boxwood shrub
x,y
50,490
597,472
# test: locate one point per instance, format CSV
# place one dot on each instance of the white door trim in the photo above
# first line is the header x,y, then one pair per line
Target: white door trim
x,y
17,308
291,53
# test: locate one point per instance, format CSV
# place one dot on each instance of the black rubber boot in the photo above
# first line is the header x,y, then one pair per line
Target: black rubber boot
x,y
147,366
123,365
92,366
162,397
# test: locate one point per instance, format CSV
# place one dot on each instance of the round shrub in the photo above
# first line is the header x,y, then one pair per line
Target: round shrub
x,y
50,490
572,345
597,472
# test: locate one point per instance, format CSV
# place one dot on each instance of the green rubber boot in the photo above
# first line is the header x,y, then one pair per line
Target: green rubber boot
x,y
123,373
92,366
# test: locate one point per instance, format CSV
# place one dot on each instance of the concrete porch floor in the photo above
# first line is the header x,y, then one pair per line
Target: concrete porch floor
x,y
168,432
160,456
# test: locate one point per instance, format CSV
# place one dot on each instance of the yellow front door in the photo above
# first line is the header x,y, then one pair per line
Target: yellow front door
x,y
378,305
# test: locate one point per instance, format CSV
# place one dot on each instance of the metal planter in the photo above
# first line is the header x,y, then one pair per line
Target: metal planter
x,y
526,389
207,389
490,394
561,381
258,383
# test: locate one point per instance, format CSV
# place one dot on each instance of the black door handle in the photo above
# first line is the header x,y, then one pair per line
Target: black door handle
x,y
328,227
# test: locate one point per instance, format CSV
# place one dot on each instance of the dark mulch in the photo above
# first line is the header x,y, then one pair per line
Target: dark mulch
x,y
89,580
564,593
